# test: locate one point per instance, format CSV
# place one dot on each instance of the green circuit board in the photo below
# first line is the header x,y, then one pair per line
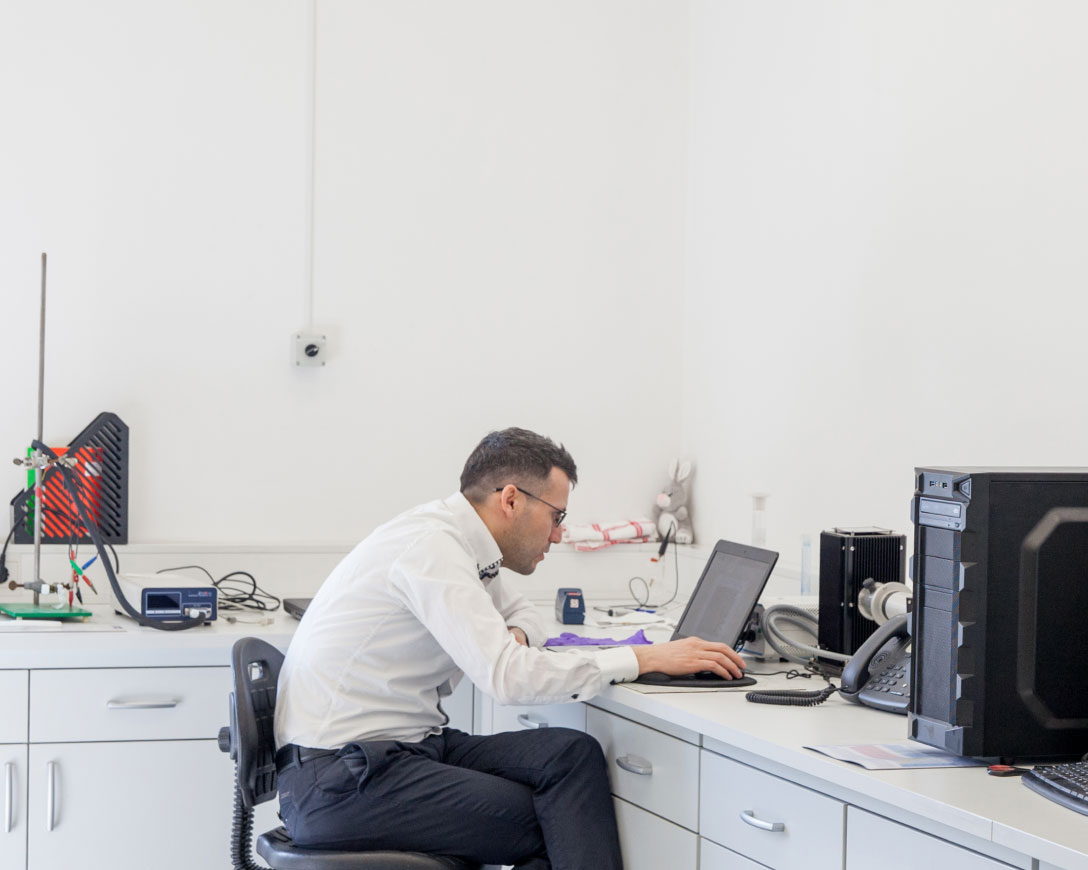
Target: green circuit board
x,y
23,610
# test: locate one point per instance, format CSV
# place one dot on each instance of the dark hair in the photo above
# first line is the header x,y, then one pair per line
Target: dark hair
x,y
513,456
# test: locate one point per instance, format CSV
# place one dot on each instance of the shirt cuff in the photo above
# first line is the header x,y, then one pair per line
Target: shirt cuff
x,y
528,634
618,665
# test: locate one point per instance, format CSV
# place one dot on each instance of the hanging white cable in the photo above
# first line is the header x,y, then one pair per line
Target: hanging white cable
x,y
311,135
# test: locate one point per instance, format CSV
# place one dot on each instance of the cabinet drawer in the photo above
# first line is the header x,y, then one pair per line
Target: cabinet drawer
x,y
518,718
128,704
715,857
868,835
651,843
653,770
13,706
769,819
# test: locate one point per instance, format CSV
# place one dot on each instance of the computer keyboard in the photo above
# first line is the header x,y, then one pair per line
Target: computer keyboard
x,y
1066,784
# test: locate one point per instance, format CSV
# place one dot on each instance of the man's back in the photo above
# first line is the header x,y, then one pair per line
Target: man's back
x,y
362,666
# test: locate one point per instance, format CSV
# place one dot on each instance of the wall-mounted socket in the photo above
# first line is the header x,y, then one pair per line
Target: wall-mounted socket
x,y
309,348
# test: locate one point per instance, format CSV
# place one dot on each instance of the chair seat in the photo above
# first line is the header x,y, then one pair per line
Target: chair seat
x,y
281,854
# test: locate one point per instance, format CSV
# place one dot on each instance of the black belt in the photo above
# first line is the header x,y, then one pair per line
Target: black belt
x,y
293,756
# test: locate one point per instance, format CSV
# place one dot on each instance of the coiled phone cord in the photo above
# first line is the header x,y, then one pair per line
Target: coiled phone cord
x,y
241,835
793,698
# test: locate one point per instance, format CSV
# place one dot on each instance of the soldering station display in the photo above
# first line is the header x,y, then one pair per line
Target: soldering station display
x,y
179,603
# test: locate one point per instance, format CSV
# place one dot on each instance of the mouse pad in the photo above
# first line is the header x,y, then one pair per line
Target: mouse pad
x,y
694,681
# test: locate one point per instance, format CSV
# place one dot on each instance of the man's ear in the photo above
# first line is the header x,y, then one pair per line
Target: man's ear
x,y
507,499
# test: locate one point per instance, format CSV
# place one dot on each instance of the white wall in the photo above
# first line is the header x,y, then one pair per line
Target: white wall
x,y
812,245
886,258
498,240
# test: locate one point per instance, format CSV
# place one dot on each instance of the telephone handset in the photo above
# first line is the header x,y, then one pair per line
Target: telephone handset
x,y
878,674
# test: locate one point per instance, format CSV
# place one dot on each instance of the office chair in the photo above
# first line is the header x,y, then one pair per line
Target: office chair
x,y
249,740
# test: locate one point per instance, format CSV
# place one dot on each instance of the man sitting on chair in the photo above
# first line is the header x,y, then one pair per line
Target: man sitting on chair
x,y
365,760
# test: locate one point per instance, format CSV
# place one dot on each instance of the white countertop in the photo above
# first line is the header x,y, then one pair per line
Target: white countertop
x,y
107,640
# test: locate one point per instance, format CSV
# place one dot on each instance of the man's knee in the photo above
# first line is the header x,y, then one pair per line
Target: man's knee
x,y
574,751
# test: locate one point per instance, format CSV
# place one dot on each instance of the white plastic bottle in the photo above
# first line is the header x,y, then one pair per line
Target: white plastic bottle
x,y
806,564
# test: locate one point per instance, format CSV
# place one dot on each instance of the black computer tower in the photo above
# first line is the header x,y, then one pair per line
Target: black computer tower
x,y
1000,571
848,557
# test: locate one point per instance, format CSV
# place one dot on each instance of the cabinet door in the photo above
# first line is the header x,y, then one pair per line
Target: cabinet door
x,y
13,806
649,842
165,804
715,857
874,840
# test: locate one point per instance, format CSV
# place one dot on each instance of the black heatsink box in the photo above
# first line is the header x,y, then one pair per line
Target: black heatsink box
x,y
102,472
848,557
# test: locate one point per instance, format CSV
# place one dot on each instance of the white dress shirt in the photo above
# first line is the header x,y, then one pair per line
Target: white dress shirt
x,y
411,608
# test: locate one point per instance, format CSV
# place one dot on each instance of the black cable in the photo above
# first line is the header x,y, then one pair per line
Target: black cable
x,y
4,556
67,476
116,560
255,598
791,674
233,595
62,512
211,579
675,585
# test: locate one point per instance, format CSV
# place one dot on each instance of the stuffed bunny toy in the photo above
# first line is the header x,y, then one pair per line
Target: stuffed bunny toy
x,y
671,505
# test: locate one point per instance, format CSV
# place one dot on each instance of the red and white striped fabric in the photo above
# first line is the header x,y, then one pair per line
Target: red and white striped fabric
x,y
596,536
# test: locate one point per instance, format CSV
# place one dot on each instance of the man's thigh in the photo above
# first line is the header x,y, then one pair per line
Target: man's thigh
x,y
535,758
568,775
386,795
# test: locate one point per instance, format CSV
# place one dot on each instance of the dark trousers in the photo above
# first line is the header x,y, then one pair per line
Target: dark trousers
x,y
534,799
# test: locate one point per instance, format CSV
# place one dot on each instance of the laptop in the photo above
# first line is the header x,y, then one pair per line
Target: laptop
x,y
296,606
718,609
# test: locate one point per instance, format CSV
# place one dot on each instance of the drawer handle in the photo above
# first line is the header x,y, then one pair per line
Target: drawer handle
x,y
50,794
527,721
749,818
636,764
9,797
142,704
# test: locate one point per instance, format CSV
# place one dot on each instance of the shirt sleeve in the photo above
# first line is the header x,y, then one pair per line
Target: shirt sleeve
x,y
438,581
517,610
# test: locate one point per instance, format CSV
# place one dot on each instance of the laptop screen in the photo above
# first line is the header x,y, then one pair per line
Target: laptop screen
x,y
728,589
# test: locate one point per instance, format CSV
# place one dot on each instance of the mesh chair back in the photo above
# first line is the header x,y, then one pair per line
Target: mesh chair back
x,y
256,667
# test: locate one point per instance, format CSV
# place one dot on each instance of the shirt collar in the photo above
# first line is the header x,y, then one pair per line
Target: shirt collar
x,y
483,546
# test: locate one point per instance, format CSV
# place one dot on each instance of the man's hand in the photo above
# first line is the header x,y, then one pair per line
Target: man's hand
x,y
519,635
690,656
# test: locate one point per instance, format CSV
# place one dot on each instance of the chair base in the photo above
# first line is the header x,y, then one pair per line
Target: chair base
x,y
281,854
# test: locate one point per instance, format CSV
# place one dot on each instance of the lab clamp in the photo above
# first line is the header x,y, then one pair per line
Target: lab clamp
x,y
69,490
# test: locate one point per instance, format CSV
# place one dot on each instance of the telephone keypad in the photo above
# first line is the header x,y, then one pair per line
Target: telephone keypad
x,y
891,685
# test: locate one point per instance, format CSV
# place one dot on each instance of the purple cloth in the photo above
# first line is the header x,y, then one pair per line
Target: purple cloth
x,y
570,639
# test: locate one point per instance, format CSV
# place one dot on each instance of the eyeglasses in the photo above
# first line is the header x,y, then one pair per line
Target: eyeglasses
x,y
560,513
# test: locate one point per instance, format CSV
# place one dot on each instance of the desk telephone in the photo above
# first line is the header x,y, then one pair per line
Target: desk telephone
x,y
878,674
